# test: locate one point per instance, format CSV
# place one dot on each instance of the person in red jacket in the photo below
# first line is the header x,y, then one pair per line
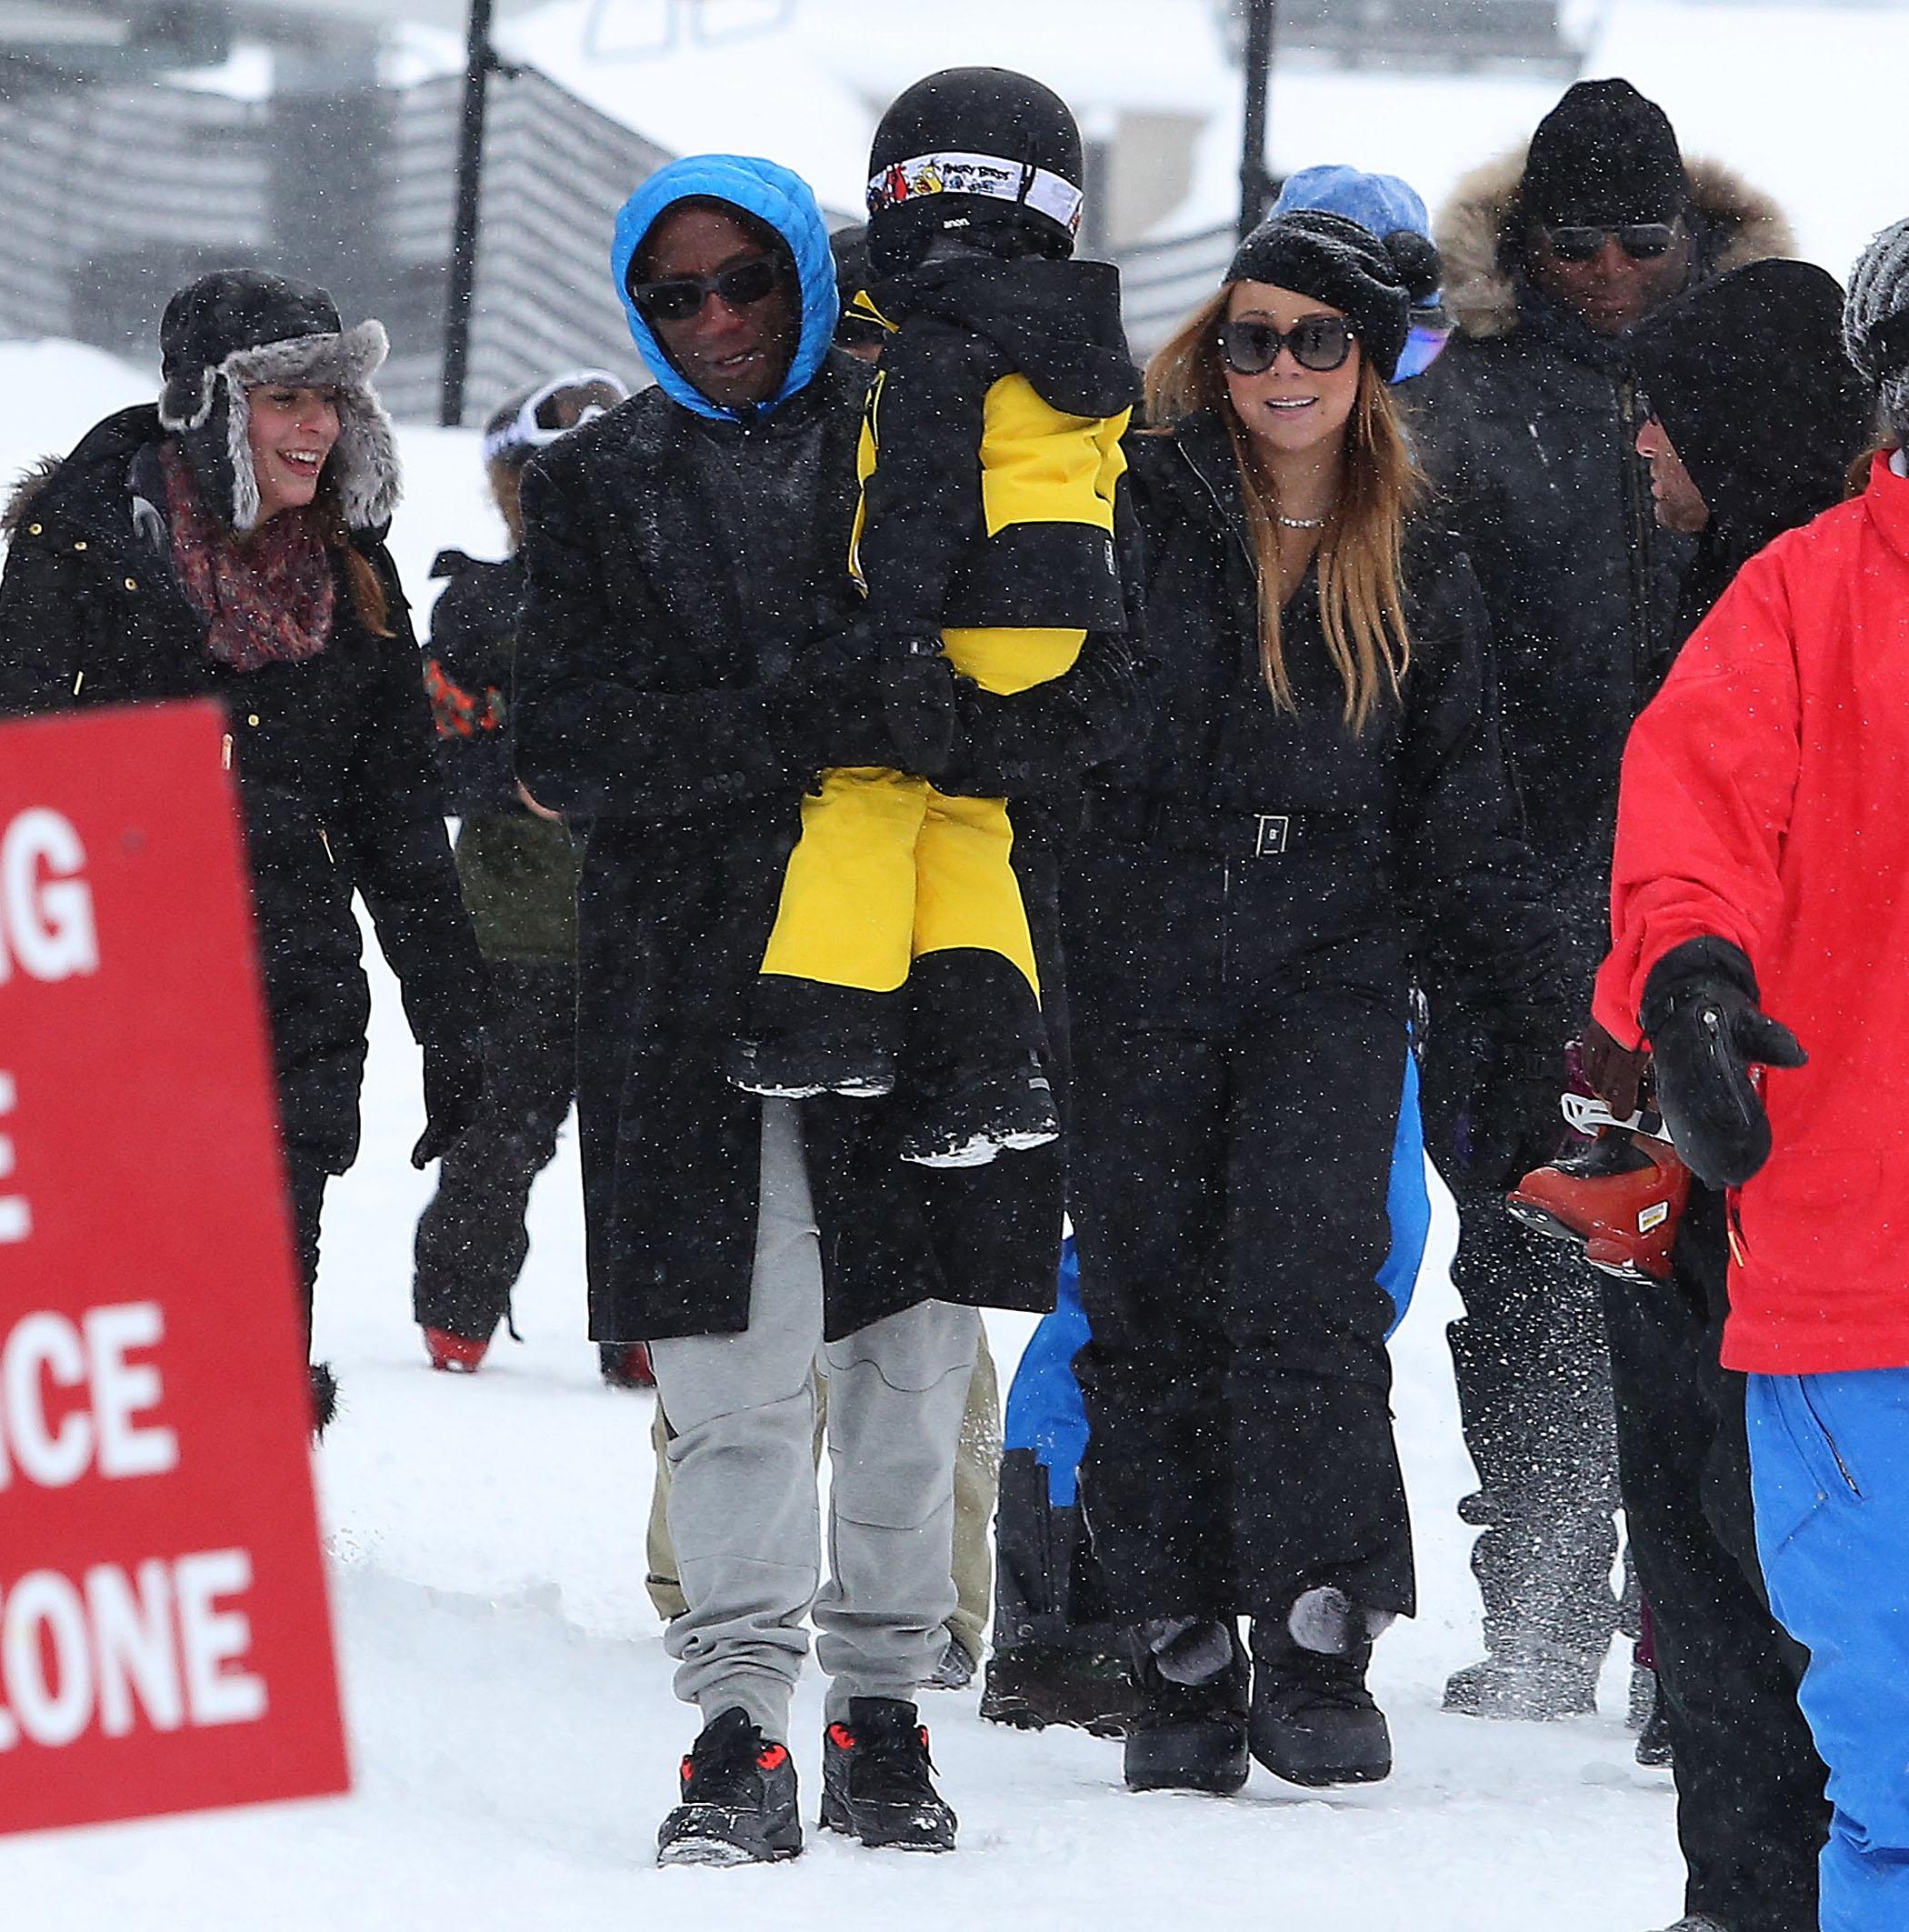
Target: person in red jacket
x,y
1763,848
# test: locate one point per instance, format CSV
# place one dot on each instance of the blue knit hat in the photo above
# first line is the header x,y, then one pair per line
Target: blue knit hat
x,y
1381,202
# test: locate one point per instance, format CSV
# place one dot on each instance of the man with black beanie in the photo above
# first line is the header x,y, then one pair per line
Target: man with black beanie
x,y
1592,277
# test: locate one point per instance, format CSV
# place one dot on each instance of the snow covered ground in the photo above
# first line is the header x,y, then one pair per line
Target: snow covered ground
x,y
513,1732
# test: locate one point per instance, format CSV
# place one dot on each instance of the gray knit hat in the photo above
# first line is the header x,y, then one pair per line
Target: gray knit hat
x,y
1876,324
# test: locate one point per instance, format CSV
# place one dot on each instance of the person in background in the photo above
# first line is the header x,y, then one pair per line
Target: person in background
x,y
1318,802
517,865
1761,824
229,544
1529,423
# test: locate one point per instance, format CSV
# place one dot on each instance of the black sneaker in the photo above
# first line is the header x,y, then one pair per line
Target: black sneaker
x,y
875,1783
798,1067
1314,1721
1188,1736
983,1110
1032,1686
738,1799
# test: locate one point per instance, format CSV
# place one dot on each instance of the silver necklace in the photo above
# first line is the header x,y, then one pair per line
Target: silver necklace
x,y
1299,523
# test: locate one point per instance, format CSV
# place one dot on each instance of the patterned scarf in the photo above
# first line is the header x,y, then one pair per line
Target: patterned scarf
x,y
265,599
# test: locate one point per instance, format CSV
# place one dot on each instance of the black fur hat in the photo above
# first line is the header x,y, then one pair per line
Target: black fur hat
x,y
1372,282
236,329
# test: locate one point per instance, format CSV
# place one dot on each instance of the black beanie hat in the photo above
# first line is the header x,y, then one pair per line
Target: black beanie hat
x,y
1371,282
1601,157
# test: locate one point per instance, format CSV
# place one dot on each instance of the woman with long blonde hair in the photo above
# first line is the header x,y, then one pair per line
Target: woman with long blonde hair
x,y
1317,816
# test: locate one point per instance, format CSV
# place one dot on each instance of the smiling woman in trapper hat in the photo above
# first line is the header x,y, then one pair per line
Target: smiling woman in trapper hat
x,y
229,543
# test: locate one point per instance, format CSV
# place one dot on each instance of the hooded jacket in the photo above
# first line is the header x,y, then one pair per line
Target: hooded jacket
x,y
687,664
993,449
1529,421
1764,802
332,757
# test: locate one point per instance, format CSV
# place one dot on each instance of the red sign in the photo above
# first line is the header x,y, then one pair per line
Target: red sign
x,y
165,1643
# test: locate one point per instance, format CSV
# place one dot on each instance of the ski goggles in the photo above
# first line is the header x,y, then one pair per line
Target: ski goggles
x,y
1642,241
536,421
1318,343
741,284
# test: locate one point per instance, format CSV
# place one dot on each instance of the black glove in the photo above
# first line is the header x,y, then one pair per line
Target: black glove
x,y
918,701
1706,1032
1512,1122
454,1091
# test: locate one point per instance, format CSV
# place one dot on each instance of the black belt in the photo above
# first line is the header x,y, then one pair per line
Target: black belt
x,y
1227,834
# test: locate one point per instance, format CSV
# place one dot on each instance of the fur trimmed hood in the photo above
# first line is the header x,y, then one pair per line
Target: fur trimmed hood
x,y
1473,228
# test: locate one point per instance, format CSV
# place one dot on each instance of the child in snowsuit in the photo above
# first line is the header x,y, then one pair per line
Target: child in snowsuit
x,y
989,460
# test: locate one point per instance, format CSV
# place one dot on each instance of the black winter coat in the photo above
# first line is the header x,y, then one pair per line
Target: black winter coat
x,y
518,871
936,551
1529,422
1240,852
333,758
684,674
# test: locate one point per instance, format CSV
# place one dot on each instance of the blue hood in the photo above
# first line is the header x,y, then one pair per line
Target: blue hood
x,y
772,195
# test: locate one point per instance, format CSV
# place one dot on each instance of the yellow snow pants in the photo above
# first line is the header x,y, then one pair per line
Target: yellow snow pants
x,y
887,869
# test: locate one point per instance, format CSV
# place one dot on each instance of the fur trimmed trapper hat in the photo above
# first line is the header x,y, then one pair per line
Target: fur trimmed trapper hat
x,y
237,330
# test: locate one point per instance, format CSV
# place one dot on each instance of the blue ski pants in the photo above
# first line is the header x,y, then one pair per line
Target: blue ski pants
x,y
1829,1462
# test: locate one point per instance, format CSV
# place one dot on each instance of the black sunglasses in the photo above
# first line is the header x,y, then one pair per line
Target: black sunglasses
x,y
1319,343
1642,241
679,298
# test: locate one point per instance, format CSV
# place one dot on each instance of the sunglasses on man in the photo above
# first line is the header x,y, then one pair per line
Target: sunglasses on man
x,y
1318,343
741,284
1642,241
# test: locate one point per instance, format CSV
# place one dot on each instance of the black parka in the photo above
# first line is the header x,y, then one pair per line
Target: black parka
x,y
1403,848
1529,423
518,871
684,673
333,758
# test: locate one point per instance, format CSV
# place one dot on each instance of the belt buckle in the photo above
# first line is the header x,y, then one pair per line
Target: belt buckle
x,y
1272,839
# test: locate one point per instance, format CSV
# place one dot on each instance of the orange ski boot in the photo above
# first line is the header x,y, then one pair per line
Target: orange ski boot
x,y
1620,1195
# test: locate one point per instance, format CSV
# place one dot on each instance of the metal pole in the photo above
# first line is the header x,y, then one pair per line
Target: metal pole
x,y
1255,177
479,61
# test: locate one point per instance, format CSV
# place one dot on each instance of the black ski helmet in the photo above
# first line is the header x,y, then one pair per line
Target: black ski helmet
x,y
973,148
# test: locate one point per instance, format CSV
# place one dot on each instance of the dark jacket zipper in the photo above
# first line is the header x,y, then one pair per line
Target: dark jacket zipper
x,y
1642,522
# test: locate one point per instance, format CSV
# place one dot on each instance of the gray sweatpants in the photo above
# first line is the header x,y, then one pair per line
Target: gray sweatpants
x,y
744,1510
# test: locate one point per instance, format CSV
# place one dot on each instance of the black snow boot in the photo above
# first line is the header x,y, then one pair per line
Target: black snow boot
x,y
1031,1686
799,1066
325,1398
1314,1721
980,1111
1188,1736
875,1781
738,1802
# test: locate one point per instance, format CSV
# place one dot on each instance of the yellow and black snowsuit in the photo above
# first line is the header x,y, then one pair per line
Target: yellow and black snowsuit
x,y
989,459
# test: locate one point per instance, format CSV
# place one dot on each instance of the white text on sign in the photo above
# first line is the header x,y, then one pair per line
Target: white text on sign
x,y
159,1639
46,923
